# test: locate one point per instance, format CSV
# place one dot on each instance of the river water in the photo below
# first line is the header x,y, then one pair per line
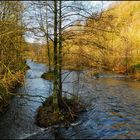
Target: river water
x,y
113,107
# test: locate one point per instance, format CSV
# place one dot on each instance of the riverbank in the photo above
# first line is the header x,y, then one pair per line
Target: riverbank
x,y
10,81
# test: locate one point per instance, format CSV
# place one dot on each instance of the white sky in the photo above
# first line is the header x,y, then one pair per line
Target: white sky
x,y
105,3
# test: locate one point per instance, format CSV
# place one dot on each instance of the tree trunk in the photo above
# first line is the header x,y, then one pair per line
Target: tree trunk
x,y
55,82
60,55
47,38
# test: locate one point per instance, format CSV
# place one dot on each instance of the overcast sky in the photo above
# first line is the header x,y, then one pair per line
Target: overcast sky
x,y
106,3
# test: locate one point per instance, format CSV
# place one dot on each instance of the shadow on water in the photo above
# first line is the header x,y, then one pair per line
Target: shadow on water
x,y
113,109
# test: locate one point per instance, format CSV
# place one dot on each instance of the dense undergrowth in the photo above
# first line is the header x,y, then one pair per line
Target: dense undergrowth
x,y
8,84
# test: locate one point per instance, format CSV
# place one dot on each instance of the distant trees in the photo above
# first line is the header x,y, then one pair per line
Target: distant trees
x,y
125,39
42,15
115,35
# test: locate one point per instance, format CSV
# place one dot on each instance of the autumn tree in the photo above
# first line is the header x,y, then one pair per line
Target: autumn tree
x,y
12,45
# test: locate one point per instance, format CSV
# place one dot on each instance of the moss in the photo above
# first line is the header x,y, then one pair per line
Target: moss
x,y
48,75
137,66
67,112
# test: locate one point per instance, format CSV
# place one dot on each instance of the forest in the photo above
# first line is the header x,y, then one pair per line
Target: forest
x,y
69,69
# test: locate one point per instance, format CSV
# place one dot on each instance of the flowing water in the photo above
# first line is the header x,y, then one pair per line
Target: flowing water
x,y
113,107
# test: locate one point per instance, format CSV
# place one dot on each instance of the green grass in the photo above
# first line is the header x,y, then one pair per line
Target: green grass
x,y
137,66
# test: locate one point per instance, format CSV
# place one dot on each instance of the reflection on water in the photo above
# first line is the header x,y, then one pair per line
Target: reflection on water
x,y
113,107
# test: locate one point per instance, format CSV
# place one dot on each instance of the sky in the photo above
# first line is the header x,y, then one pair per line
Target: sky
x,y
105,4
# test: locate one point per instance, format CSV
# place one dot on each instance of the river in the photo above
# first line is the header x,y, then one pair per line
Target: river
x,y
113,107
